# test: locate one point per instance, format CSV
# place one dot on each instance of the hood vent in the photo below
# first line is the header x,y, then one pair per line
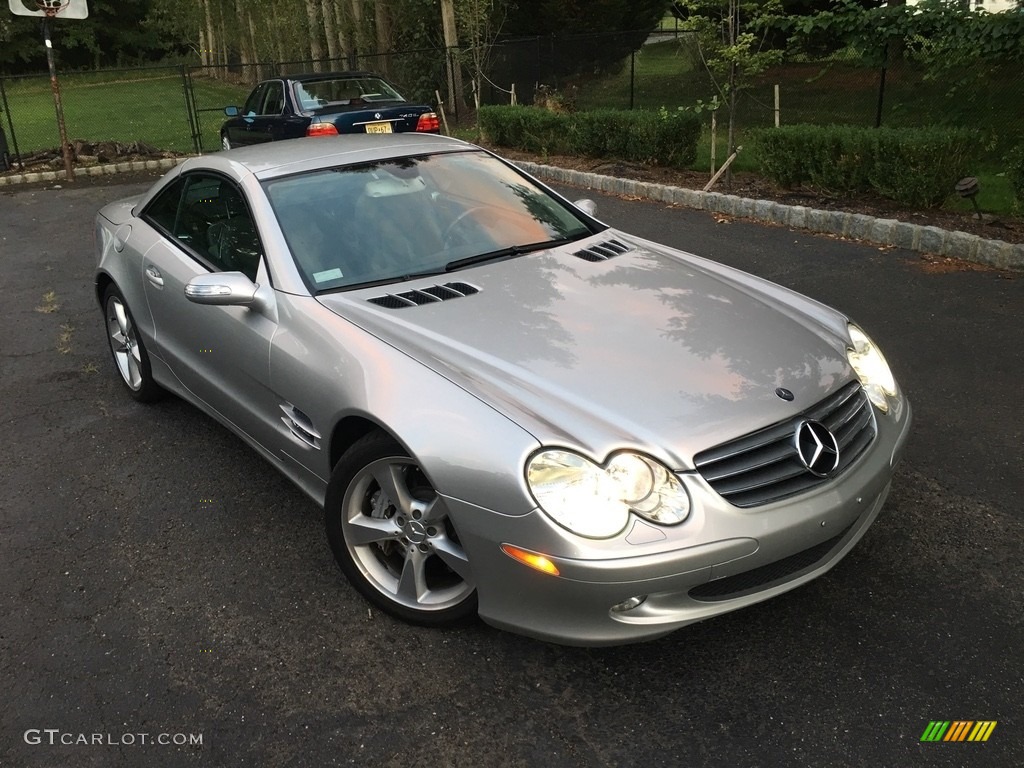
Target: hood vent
x,y
603,251
420,296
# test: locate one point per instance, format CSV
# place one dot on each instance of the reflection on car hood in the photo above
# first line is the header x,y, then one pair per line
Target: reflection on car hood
x,y
650,348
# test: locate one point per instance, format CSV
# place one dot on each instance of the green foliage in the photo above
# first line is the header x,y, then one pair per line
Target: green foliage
x,y
1015,174
663,138
914,166
733,43
543,17
944,35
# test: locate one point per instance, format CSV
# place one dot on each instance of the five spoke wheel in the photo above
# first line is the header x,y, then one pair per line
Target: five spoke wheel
x,y
127,349
391,535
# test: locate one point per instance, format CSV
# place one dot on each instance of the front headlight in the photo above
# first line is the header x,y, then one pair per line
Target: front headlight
x,y
596,501
871,369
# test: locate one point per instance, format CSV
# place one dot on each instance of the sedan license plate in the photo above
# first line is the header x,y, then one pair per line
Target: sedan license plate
x,y
378,128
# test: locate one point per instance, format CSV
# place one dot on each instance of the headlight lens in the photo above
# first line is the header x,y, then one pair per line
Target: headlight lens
x,y
596,501
871,369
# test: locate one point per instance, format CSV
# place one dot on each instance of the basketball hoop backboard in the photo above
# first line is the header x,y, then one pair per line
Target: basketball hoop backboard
x,y
57,9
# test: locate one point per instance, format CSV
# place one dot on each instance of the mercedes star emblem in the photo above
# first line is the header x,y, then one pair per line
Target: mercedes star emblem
x,y
817,448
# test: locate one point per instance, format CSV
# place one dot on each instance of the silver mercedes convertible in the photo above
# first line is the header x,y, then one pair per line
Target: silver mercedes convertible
x,y
506,408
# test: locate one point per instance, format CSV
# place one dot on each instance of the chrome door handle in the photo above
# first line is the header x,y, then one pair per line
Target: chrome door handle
x,y
154,277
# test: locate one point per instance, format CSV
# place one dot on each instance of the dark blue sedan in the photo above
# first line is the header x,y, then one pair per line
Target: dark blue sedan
x,y
323,104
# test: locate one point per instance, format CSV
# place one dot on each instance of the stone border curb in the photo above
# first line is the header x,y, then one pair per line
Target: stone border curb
x,y
106,169
857,226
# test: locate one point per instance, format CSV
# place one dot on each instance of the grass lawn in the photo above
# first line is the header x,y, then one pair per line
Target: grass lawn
x,y
146,106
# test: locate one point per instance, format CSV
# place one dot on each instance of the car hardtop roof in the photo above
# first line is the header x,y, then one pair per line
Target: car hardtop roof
x,y
280,158
308,76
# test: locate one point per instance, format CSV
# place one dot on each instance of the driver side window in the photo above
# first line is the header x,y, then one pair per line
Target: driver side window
x,y
211,221
255,100
273,104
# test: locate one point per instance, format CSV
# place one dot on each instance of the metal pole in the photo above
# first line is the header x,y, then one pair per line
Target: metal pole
x,y
881,86
10,123
190,114
632,78
69,173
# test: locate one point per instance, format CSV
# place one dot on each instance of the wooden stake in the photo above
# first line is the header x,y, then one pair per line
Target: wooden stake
x,y
721,170
440,108
776,105
714,134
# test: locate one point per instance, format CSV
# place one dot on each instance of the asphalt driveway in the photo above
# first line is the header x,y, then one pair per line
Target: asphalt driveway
x,y
161,584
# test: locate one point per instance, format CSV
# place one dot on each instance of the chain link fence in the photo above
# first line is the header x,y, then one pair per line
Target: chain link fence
x,y
179,109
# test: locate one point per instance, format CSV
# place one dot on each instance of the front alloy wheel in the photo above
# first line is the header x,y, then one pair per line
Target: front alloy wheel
x,y
225,142
127,349
391,536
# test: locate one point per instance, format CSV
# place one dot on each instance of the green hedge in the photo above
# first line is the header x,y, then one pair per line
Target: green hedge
x,y
660,138
1015,173
915,166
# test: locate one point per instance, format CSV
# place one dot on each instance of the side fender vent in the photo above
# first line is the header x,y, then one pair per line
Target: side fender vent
x,y
603,251
420,296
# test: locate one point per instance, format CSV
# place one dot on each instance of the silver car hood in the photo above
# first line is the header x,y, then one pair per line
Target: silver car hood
x,y
652,348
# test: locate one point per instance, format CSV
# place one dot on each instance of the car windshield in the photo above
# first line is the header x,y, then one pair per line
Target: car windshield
x,y
344,91
394,219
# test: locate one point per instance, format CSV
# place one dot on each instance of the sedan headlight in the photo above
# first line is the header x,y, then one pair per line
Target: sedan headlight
x,y
596,501
871,369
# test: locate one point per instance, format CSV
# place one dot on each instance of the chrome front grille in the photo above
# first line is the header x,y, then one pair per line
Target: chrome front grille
x,y
765,466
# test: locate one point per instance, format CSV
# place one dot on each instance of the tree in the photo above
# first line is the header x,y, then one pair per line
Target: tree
x,y
480,21
733,43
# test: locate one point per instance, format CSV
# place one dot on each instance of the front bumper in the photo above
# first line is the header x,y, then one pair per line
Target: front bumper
x,y
721,559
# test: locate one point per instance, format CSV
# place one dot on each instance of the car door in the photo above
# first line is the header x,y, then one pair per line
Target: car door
x,y
239,129
274,121
220,354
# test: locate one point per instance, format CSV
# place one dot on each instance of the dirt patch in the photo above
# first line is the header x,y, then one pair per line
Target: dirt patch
x,y
85,154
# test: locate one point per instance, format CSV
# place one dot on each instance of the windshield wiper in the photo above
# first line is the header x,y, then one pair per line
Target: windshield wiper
x,y
384,281
505,253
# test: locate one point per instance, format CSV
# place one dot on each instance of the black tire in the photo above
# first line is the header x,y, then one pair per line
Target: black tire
x,y
131,361
404,555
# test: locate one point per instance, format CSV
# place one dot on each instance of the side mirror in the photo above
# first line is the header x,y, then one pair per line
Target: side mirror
x,y
221,289
588,206
231,111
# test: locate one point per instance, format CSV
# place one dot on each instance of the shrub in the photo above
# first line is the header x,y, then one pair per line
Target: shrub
x,y
1015,174
914,166
920,167
665,138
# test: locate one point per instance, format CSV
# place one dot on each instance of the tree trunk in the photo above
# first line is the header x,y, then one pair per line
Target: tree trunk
x,y
382,20
257,73
327,6
344,34
222,56
278,36
454,70
358,32
245,53
316,50
211,40
204,48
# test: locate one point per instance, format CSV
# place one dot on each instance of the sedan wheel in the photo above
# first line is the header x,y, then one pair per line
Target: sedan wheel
x,y
392,537
127,349
225,142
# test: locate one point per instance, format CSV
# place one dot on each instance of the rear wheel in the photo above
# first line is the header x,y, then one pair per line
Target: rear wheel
x,y
392,537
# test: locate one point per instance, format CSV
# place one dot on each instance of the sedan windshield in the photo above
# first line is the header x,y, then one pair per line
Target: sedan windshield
x,y
395,219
